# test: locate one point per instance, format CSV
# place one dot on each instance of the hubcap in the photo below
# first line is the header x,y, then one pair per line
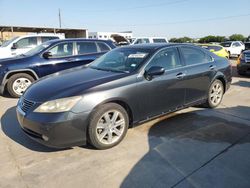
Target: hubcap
x,y
216,94
110,127
20,85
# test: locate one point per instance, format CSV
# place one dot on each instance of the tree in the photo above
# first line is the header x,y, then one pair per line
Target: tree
x,y
237,37
181,40
211,38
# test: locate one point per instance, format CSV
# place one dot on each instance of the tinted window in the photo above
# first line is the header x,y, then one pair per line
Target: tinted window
x,y
215,48
86,47
194,56
103,47
62,50
226,44
168,59
45,39
159,40
27,42
142,41
247,45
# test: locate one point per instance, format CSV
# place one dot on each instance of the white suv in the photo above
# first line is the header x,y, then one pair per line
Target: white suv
x,y
143,40
234,48
21,45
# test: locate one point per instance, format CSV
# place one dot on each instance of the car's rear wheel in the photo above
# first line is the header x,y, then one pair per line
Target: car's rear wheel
x,y
18,83
215,94
108,126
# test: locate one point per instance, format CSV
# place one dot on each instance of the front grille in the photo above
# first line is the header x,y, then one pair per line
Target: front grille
x,y
247,58
26,105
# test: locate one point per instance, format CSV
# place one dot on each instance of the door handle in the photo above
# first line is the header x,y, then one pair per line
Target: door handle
x,y
180,75
212,67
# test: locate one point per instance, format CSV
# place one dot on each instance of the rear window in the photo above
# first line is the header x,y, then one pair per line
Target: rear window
x,y
159,40
215,48
247,45
193,56
103,47
226,44
86,47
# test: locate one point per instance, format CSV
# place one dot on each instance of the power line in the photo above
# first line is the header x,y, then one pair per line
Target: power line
x,y
132,8
179,22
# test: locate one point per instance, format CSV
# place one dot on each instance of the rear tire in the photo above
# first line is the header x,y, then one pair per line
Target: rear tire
x,y
215,94
108,126
18,83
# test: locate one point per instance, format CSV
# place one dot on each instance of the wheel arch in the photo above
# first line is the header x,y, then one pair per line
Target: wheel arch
x,y
26,71
222,79
122,103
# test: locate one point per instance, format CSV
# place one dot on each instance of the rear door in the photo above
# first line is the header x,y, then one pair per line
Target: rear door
x,y
200,70
88,51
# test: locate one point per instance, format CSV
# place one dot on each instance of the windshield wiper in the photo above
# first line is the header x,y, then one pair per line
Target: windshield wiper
x,y
109,70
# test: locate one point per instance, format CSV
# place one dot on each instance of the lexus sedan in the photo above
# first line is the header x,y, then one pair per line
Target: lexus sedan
x,y
97,103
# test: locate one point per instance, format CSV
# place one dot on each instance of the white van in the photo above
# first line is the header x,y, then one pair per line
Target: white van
x,y
21,45
144,40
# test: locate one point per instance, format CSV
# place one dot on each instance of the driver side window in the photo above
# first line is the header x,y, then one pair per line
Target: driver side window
x,y
62,50
168,59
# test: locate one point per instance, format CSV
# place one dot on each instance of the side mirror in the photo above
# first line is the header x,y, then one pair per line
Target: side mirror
x,y
14,46
47,55
154,71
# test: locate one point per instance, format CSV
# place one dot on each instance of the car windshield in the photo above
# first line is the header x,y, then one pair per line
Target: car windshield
x,y
226,44
37,49
121,60
6,43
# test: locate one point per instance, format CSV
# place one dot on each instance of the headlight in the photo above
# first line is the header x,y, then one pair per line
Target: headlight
x,y
58,105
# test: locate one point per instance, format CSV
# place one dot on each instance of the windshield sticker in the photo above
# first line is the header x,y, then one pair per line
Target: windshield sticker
x,y
137,55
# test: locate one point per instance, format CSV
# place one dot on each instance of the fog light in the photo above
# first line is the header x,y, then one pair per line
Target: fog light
x,y
45,138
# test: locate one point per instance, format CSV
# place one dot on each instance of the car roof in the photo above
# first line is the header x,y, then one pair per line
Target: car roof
x,y
156,46
79,39
209,45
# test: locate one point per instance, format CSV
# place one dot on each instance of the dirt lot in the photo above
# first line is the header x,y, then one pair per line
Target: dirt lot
x,y
192,148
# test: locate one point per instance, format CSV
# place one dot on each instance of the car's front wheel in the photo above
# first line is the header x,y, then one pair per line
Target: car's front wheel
x,y
215,94
18,83
108,126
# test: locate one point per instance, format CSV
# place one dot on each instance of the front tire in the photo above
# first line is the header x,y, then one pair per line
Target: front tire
x,y
18,83
215,94
108,126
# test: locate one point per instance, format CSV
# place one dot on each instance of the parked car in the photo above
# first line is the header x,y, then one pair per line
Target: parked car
x,y
234,48
145,40
216,49
243,63
16,74
22,44
126,86
247,45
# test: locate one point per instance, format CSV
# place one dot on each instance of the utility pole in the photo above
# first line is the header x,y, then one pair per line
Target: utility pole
x,y
60,20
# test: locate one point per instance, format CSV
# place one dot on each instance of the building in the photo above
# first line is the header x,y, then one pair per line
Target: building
x,y
109,35
7,32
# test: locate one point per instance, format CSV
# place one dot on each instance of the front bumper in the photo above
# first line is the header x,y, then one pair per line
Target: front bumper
x,y
60,130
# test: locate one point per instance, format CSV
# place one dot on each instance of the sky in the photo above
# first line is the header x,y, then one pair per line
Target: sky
x,y
166,18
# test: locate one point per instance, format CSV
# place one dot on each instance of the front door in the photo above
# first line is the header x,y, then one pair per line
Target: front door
x,y
166,92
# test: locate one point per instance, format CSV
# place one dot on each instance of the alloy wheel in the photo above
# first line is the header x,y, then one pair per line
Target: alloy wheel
x,y
20,85
110,127
216,94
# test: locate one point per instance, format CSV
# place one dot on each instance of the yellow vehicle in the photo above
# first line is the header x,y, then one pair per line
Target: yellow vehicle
x,y
216,49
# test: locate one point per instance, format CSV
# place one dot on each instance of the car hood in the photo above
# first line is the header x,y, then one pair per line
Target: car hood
x,y
69,83
16,59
